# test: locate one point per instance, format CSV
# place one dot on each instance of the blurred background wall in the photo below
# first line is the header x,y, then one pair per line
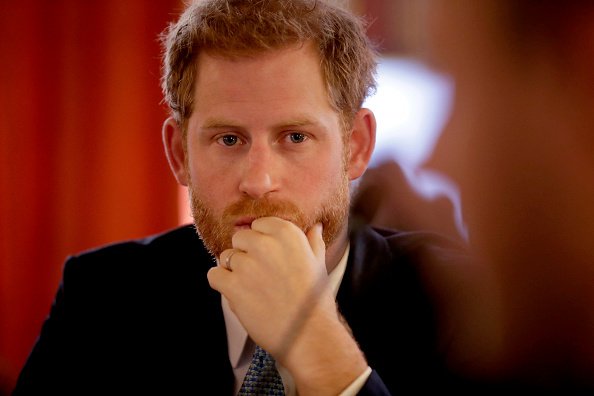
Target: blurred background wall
x,y
81,160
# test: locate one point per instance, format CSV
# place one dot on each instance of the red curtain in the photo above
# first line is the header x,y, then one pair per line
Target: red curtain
x,y
82,162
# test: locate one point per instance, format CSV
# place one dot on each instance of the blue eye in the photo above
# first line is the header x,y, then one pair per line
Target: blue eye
x,y
297,137
229,140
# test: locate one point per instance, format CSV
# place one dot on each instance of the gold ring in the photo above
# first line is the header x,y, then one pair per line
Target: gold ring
x,y
228,260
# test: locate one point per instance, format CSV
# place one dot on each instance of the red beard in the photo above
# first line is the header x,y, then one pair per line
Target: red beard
x,y
216,233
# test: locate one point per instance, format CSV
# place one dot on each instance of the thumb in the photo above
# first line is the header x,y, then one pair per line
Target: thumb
x,y
316,241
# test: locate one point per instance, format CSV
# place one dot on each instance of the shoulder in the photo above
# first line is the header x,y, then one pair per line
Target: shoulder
x,y
172,250
385,243
402,262
176,237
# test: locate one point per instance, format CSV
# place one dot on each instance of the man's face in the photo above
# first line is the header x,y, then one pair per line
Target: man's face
x,y
263,141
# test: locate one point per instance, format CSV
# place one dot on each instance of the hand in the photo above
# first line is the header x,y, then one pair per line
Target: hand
x,y
278,288
278,277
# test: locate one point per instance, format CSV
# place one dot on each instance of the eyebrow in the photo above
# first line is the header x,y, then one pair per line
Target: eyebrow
x,y
221,123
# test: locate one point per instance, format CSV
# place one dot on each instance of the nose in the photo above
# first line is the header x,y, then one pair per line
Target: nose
x,y
258,177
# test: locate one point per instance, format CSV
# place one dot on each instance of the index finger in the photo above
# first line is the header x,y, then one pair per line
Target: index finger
x,y
272,225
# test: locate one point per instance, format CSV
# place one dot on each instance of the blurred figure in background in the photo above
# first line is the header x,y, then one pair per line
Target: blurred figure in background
x,y
520,143
385,198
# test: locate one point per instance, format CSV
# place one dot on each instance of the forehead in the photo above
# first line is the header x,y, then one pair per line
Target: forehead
x,y
275,81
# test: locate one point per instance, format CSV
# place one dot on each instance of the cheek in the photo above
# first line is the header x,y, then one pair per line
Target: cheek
x,y
214,185
323,172
324,185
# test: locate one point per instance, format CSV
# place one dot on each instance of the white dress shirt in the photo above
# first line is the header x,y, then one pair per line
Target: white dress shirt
x,y
241,347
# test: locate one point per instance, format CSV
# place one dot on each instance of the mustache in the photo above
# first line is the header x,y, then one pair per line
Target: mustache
x,y
265,207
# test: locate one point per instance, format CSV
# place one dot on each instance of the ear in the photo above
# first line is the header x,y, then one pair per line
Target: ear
x,y
362,143
174,149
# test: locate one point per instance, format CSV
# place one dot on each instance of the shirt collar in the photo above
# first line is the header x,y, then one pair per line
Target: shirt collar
x,y
236,334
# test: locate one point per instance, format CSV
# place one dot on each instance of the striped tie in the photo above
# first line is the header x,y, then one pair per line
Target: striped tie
x,y
262,378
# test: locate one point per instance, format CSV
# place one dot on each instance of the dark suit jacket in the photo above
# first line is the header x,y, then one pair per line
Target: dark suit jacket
x,y
140,318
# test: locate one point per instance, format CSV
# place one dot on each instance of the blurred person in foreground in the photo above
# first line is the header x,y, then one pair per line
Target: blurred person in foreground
x,y
268,132
520,144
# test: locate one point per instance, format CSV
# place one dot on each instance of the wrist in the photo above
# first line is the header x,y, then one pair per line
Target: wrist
x,y
325,358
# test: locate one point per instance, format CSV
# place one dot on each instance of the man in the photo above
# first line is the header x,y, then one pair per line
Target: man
x,y
267,131
521,134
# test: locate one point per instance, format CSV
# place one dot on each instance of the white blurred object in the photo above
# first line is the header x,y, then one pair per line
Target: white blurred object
x,y
411,105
